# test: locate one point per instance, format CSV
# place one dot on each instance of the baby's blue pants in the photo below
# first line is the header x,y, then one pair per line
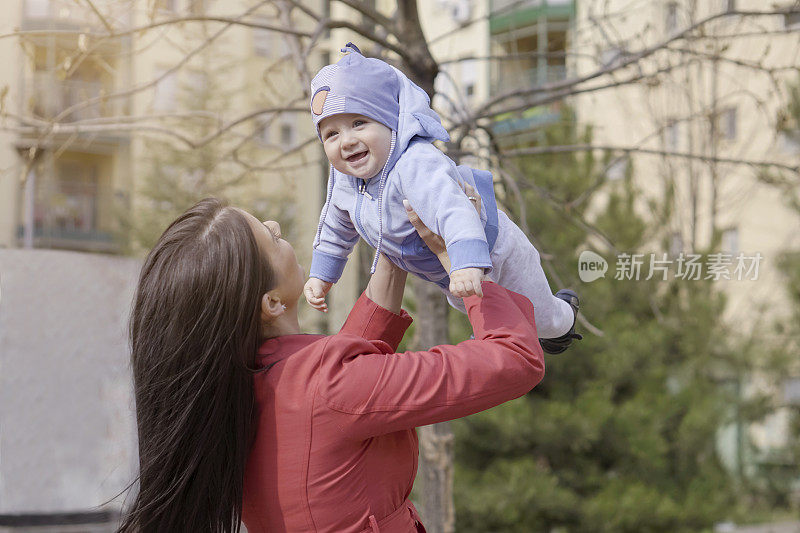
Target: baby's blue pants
x,y
516,266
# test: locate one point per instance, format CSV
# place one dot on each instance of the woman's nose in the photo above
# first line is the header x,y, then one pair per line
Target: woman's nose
x,y
274,227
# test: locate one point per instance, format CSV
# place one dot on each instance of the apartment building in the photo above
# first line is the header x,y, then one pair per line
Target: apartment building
x,y
712,107
59,186
100,120
717,100
99,113
698,110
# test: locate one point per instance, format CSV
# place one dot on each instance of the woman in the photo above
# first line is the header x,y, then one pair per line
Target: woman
x,y
242,416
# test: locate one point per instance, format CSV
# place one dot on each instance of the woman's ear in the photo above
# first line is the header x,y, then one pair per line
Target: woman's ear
x,y
271,307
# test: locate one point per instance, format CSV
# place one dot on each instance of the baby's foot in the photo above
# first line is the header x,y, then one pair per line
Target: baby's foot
x,y
559,344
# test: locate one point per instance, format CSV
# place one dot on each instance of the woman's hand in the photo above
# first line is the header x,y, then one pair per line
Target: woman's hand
x,y
434,242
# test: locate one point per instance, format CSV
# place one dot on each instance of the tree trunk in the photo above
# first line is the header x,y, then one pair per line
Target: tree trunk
x,y
435,476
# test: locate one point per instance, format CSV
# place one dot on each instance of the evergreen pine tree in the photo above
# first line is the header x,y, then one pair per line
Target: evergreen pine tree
x,y
622,434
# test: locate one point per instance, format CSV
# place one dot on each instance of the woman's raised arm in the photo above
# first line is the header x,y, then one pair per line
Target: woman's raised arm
x,y
386,285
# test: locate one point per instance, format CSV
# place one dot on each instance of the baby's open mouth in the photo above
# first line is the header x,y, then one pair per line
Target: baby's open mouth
x,y
357,157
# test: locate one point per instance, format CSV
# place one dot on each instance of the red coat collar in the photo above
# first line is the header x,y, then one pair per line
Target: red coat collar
x,y
278,348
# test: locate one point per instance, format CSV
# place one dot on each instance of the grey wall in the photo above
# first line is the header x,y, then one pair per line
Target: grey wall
x,y
67,431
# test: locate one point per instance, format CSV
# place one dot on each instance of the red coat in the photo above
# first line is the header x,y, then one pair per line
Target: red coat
x,y
335,447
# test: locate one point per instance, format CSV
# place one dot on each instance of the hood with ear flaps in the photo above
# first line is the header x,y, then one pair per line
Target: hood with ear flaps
x,y
356,84
375,89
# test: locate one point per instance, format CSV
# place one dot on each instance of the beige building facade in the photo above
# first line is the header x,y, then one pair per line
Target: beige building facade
x,y
713,108
97,112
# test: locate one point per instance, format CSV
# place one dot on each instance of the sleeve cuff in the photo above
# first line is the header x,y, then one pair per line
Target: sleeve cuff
x,y
326,267
469,253
372,322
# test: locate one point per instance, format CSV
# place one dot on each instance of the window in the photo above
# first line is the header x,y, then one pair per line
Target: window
x,y
459,10
166,91
726,124
324,58
287,134
469,76
789,141
198,7
791,391
73,206
263,39
617,168
262,131
165,5
197,82
672,134
37,8
730,241
791,21
269,43
676,244
616,55
671,22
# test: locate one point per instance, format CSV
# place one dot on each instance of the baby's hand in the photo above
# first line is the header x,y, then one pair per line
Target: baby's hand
x,y
315,291
466,282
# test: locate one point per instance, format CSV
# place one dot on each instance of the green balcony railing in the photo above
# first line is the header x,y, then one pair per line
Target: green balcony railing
x,y
48,98
513,80
507,14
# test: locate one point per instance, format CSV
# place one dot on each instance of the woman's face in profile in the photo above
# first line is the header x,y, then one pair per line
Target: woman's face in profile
x,y
280,254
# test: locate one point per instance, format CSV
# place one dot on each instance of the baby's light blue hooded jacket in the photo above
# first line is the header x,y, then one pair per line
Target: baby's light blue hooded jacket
x,y
416,170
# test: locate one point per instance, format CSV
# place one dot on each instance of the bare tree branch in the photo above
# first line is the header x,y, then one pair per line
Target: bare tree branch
x,y
369,34
631,59
237,21
370,12
100,16
627,149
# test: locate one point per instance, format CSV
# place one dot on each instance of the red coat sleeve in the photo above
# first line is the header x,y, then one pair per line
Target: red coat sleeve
x,y
374,392
370,321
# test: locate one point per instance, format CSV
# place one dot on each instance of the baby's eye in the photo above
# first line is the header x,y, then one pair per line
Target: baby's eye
x,y
328,134
359,122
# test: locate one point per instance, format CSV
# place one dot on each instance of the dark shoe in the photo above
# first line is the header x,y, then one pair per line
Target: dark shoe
x,y
559,344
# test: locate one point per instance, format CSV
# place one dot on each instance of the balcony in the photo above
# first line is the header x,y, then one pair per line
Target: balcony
x,y
525,121
71,239
532,117
48,98
508,14
71,15
512,79
69,205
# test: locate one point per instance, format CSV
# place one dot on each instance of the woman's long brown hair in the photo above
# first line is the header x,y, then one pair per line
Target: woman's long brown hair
x,y
194,333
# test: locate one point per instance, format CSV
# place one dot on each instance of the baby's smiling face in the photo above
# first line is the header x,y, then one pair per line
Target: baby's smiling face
x,y
355,144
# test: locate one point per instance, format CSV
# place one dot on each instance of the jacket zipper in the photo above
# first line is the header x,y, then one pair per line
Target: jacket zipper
x,y
362,191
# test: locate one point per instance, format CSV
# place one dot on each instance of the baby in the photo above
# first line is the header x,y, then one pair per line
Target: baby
x,y
377,129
